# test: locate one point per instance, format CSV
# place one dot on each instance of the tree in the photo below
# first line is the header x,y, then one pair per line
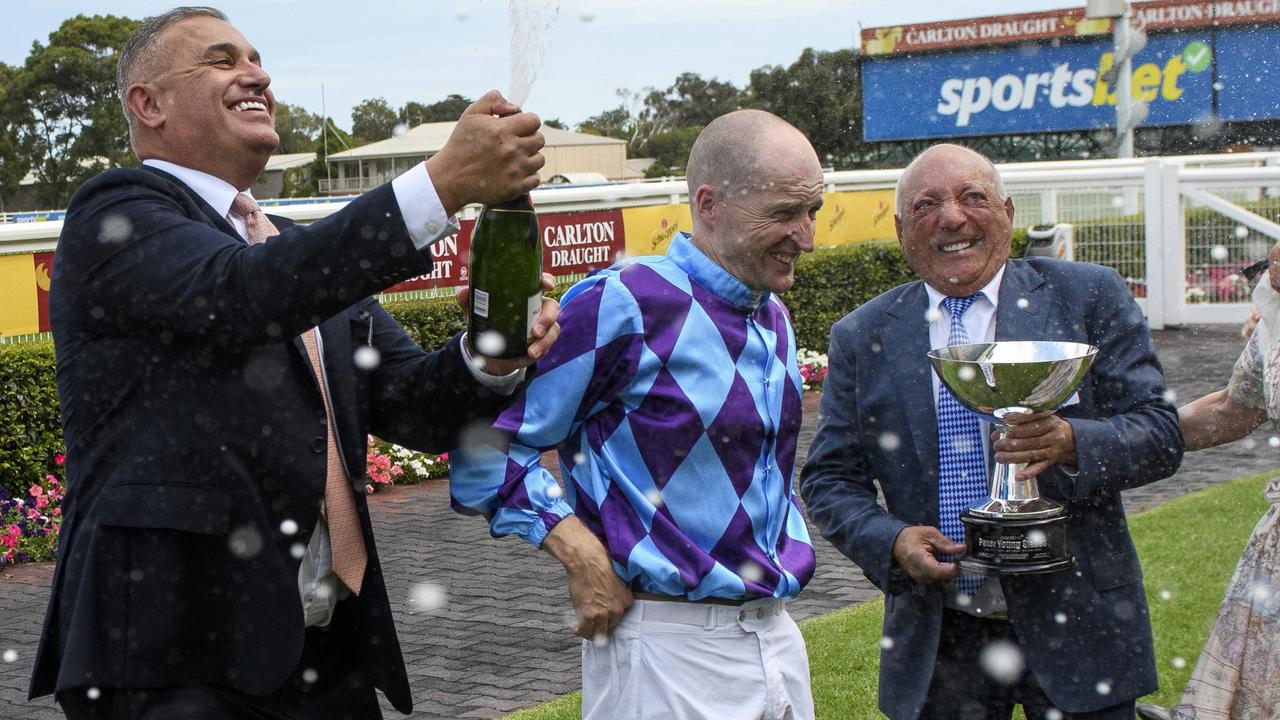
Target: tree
x,y
820,94
555,123
447,110
373,120
694,102
13,165
63,107
299,130
615,123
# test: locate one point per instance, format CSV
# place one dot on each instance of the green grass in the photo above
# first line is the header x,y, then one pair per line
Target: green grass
x,y
1189,548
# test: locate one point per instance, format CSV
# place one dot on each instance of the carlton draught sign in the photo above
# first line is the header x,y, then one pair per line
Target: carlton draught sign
x,y
572,244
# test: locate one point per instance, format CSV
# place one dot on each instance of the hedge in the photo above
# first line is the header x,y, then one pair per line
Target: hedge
x,y
829,284
30,434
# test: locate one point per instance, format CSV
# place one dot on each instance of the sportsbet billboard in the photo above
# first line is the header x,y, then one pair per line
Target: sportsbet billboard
x,y
1043,88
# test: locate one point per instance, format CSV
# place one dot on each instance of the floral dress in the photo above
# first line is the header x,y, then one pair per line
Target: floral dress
x,y
1237,676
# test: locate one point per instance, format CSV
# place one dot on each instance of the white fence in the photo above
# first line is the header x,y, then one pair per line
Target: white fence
x,y
1178,229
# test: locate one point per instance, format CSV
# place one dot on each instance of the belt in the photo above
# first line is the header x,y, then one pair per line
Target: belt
x,y
685,599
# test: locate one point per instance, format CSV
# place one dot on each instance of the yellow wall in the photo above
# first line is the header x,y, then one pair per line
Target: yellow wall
x,y
18,312
845,217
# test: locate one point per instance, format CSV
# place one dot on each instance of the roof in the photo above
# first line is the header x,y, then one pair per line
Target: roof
x,y
428,138
286,161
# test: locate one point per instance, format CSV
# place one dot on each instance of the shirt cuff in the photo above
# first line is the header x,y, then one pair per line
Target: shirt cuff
x,y
500,384
424,216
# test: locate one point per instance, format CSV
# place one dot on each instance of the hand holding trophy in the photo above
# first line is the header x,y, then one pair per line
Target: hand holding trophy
x,y
1014,531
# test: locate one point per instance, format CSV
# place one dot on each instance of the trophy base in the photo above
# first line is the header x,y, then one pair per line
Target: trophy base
x,y
1012,546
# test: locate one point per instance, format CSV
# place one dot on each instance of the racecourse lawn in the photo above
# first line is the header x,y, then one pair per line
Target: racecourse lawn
x,y
1189,547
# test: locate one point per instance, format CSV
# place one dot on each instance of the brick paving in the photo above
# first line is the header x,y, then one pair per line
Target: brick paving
x,y
500,641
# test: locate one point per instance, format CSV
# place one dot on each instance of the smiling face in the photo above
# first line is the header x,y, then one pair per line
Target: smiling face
x,y
954,228
758,230
213,110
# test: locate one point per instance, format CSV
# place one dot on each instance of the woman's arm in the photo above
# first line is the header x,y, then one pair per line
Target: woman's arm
x,y
1216,419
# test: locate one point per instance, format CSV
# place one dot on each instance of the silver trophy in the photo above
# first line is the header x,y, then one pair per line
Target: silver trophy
x,y
1015,531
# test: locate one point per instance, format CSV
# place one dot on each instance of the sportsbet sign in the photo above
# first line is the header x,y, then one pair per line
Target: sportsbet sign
x,y
1030,89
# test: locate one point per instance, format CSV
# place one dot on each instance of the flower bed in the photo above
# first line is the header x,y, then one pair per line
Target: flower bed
x,y
29,524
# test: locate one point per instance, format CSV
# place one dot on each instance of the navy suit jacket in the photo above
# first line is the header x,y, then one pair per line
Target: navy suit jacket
x,y
1077,627
195,428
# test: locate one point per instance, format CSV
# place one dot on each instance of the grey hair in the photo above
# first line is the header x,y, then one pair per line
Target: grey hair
x,y
141,45
899,201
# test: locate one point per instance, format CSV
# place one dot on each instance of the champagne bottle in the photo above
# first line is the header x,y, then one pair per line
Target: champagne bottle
x,y
506,278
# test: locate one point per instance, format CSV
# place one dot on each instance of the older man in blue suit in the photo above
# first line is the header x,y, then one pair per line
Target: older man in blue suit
x,y
1071,644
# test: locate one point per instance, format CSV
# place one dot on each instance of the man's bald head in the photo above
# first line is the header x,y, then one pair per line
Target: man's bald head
x,y
737,152
908,176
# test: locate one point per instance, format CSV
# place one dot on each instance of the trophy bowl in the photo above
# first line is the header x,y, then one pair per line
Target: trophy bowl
x,y
1014,530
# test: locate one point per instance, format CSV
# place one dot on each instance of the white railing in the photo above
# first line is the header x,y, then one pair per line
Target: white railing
x,y
1132,215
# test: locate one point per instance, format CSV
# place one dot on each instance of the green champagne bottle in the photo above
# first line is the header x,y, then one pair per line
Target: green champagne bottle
x,y
506,278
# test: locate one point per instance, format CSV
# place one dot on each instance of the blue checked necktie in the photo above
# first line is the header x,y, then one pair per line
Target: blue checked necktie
x,y
962,469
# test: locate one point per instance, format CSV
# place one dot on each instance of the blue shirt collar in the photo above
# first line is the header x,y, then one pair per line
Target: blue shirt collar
x,y
704,271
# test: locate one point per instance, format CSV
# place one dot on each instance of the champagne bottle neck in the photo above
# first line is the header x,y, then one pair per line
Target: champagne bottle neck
x,y
520,203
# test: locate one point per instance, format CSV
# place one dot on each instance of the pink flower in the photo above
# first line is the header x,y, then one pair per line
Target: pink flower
x,y
59,459
368,489
36,491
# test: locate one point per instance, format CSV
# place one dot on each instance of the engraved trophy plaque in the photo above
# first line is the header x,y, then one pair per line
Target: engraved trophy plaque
x,y
1014,531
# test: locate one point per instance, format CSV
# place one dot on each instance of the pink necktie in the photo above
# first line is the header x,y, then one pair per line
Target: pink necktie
x,y
346,538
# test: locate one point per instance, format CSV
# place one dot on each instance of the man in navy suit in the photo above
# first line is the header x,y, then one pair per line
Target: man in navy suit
x,y
1070,644
213,439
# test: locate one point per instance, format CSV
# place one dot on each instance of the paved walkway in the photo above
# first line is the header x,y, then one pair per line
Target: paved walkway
x,y
500,641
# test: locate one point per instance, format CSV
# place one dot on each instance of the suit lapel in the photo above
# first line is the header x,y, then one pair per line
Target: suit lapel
x,y
1016,319
908,348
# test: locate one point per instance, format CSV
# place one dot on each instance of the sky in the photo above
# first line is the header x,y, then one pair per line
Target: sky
x,y
326,55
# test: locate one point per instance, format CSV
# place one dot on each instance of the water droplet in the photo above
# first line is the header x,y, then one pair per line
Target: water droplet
x,y
1274,441
1261,593
1179,662
579,458
1023,303
1002,661
886,642
964,601
654,496
587,15
1165,595
399,129
1037,538
1103,687
1053,714
115,228
554,492
600,640
462,14
932,315
309,676
1219,253
1060,618
245,542
889,441
490,343
1117,201
10,656
367,358
966,373
428,597
1248,443
1241,232
289,527
751,572
1171,396
93,693
297,550
1218,86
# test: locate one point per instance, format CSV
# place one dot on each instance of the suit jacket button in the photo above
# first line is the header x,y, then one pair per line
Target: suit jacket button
x,y
318,445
